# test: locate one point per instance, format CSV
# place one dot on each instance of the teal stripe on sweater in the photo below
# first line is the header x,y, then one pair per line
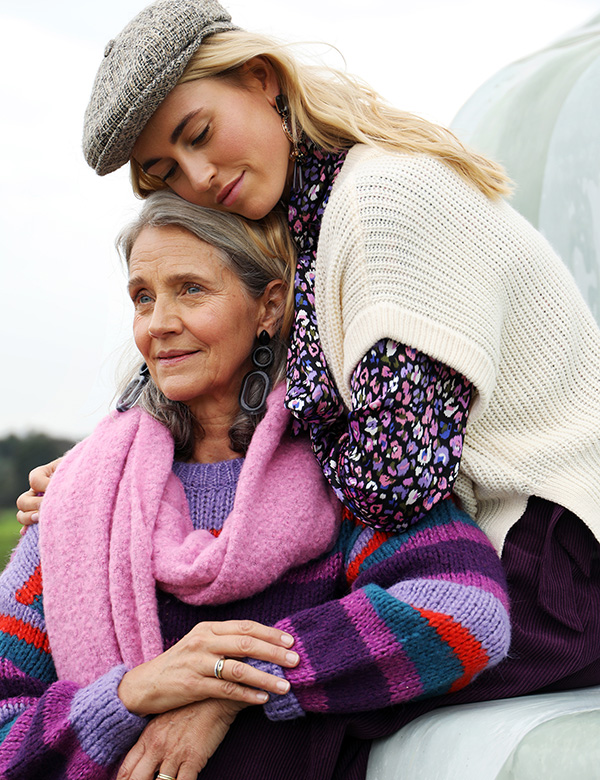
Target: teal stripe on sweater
x,y
35,663
419,640
5,730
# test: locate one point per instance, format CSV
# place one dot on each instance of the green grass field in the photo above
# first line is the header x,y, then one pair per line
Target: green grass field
x,y
9,534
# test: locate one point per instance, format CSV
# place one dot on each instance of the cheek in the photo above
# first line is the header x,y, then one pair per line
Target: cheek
x,y
140,336
188,193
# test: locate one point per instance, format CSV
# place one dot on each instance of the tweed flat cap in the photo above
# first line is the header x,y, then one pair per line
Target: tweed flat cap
x,y
140,67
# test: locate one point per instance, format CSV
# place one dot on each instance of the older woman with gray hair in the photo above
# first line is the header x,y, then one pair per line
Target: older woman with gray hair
x,y
210,607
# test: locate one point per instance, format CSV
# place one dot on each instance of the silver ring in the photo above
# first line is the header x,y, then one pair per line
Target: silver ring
x,y
219,668
161,776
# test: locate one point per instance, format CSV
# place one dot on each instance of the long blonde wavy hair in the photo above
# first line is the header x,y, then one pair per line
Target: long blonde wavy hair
x,y
334,110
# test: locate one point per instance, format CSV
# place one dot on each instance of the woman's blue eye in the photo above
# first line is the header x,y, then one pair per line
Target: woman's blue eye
x,y
194,288
143,298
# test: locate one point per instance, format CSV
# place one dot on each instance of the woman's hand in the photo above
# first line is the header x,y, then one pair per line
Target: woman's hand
x,y
180,742
29,502
185,673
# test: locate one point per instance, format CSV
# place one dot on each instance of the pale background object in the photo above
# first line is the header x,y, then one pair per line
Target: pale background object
x,y
475,741
540,118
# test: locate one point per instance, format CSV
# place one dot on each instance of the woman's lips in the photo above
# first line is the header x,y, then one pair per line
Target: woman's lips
x,y
173,358
229,194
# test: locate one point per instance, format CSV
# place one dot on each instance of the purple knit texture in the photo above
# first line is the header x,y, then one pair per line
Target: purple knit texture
x,y
389,648
103,726
279,707
210,490
376,621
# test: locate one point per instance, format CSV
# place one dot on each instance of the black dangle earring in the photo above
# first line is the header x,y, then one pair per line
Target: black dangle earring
x,y
134,389
256,384
283,109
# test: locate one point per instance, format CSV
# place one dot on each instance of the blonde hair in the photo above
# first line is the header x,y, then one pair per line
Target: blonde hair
x,y
334,110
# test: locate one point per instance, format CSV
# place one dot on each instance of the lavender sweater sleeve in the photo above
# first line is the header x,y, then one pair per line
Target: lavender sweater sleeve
x,y
49,727
425,612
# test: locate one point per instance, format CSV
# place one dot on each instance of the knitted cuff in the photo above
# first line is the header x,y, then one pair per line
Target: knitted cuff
x,y
280,706
104,727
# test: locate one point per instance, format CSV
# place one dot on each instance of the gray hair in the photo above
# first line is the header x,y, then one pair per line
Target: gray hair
x,y
257,253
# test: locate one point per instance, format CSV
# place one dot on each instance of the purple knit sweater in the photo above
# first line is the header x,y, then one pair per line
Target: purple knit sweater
x,y
381,619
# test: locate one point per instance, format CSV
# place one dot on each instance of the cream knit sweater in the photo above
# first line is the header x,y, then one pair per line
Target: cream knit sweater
x,y
410,251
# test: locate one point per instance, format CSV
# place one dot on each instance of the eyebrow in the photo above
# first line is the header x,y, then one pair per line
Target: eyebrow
x,y
135,281
181,126
175,136
189,276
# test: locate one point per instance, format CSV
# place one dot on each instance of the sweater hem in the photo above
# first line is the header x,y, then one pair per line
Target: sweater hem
x,y
386,320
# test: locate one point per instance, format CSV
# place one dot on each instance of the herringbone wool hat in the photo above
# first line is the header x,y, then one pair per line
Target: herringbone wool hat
x,y
140,67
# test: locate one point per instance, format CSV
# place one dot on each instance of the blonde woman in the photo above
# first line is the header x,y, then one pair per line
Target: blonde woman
x,y
439,345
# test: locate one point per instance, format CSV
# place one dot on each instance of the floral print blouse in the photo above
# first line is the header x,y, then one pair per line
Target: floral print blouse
x,y
396,452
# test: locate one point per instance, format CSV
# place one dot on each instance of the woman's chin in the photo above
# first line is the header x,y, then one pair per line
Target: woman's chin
x,y
175,396
175,393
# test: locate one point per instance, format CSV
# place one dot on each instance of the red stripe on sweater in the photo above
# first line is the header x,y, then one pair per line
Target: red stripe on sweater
x,y
354,568
378,538
33,636
468,650
32,588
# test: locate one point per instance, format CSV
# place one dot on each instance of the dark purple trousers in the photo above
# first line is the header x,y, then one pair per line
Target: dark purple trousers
x,y
552,562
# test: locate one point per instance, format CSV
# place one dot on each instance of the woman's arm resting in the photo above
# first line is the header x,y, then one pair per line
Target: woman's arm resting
x,y
427,612
185,673
180,742
45,722
43,719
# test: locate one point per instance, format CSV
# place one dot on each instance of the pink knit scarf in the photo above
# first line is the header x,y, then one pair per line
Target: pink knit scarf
x,y
115,522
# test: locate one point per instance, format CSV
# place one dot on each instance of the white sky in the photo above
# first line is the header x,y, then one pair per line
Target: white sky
x,y
64,318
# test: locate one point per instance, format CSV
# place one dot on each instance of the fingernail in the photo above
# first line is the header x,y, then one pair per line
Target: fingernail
x,y
260,696
283,686
287,640
35,517
292,658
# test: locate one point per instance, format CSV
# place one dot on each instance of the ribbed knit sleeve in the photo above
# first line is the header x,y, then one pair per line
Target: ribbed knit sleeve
x,y
401,255
51,728
425,613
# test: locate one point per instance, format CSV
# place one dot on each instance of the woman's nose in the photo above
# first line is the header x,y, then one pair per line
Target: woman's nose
x,y
164,320
200,175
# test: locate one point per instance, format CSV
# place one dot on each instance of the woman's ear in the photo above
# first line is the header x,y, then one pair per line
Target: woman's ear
x,y
272,306
259,72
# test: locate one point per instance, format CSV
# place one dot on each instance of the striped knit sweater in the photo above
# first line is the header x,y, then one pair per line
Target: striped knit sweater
x,y
381,619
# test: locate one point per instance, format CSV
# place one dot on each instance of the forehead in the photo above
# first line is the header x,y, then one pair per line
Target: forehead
x,y
199,93
170,246
198,98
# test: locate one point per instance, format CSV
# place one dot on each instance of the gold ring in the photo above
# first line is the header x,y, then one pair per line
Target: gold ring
x,y
161,776
219,668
